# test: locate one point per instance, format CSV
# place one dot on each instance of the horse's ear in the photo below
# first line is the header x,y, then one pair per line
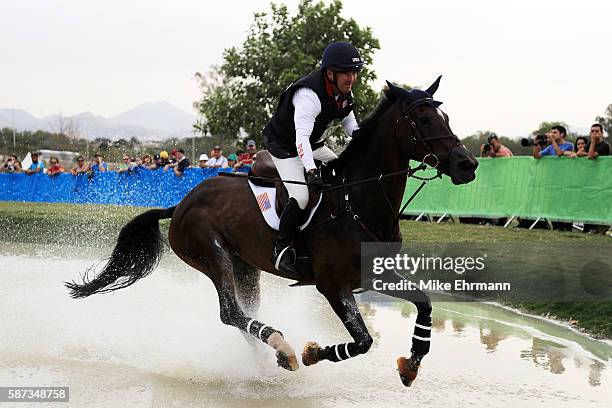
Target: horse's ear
x,y
395,90
434,87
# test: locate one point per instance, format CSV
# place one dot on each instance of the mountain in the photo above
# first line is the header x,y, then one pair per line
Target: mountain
x,y
156,115
149,121
22,119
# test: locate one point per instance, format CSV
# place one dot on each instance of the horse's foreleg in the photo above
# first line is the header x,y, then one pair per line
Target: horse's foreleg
x,y
421,337
346,308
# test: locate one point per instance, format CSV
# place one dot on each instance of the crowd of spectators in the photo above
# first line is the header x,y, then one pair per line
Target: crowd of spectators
x,y
554,143
175,161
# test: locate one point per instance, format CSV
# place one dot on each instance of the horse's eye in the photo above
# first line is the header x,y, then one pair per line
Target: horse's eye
x,y
425,121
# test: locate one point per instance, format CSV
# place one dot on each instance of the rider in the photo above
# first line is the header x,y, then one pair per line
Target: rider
x,y
295,135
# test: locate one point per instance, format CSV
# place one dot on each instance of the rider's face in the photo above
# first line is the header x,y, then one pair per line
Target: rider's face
x,y
344,80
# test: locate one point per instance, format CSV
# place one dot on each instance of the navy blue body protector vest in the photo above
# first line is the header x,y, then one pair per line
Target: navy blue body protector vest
x,y
279,133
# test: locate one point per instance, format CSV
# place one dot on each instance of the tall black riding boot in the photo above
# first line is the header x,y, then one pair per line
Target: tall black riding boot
x,y
283,254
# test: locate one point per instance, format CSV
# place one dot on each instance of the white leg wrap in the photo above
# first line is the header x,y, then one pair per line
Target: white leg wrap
x,y
260,330
248,329
337,354
421,338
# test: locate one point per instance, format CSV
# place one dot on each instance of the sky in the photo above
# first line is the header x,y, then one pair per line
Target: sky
x,y
506,66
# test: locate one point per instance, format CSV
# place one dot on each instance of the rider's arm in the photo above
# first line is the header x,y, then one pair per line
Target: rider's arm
x,y
307,108
349,124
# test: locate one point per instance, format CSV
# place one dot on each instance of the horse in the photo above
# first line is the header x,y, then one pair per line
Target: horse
x,y
217,228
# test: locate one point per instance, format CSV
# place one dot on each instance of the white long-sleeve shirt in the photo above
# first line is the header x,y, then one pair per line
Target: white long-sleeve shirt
x,y
307,108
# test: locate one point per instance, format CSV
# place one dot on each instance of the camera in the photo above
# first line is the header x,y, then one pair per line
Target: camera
x,y
486,148
541,140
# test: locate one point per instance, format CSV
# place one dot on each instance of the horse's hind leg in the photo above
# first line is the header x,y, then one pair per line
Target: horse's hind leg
x,y
246,280
221,272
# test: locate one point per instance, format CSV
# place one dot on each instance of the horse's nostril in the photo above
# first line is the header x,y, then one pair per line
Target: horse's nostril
x,y
465,165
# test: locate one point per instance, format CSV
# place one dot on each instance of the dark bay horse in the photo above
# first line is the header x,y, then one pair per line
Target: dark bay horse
x,y
217,229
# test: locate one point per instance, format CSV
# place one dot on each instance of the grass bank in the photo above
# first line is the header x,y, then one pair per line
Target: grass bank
x,y
99,225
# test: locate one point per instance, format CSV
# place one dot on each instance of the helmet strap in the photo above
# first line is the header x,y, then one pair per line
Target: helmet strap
x,y
334,82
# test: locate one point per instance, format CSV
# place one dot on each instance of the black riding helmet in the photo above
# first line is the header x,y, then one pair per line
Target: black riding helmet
x,y
341,57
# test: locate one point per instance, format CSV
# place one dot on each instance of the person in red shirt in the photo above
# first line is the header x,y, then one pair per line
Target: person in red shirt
x,y
247,158
55,167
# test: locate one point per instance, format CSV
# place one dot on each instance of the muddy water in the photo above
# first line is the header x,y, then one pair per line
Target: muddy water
x,y
160,343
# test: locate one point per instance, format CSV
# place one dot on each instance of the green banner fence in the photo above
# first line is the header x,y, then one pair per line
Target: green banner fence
x,y
556,188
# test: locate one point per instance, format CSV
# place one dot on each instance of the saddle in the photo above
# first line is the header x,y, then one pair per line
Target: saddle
x,y
263,170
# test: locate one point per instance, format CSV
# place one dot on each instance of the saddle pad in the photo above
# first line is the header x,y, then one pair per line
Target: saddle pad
x,y
266,197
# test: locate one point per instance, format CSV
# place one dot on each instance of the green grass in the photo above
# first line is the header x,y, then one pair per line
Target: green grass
x,y
69,224
424,232
99,225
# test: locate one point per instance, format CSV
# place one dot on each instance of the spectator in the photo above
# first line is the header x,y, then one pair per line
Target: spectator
x,y
147,162
247,158
232,159
558,146
80,167
157,163
125,164
55,167
98,164
217,160
179,166
12,165
202,163
579,145
494,148
36,166
597,146
163,155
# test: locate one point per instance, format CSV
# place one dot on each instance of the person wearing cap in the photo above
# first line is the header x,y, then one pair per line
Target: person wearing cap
x,y
495,148
294,135
232,159
217,160
180,165
203,162
247,158
37,166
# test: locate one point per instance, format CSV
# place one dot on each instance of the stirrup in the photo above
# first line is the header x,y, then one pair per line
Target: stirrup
x,y
285,261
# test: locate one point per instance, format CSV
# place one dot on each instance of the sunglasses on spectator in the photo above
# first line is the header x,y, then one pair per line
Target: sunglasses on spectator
x,y
81,160
53,162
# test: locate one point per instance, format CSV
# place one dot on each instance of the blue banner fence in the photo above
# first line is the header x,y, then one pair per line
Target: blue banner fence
x,y
147,188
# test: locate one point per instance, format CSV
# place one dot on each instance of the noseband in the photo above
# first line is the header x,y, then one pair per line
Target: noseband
x,y
406,114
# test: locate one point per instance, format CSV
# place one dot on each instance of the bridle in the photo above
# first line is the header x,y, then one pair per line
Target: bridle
x,y
406,114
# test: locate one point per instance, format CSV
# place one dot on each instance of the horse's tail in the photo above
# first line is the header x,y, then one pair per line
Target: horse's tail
x,y
138,251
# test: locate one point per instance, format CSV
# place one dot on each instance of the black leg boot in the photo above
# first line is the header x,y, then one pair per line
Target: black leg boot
x,y
283,254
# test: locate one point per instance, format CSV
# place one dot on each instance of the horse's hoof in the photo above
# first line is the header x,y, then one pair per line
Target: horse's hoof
x,y
408,369
287,362
310,355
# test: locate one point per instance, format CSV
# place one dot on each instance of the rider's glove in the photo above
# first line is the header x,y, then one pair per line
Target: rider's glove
x,y
314,180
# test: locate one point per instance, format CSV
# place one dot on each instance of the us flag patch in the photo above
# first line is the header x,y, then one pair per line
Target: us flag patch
x,y
264,202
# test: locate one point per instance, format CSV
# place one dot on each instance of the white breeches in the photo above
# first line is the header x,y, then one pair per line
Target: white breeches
x,y
293,169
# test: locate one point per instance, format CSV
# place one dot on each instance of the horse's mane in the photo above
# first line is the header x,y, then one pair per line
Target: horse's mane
x,y
360,141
